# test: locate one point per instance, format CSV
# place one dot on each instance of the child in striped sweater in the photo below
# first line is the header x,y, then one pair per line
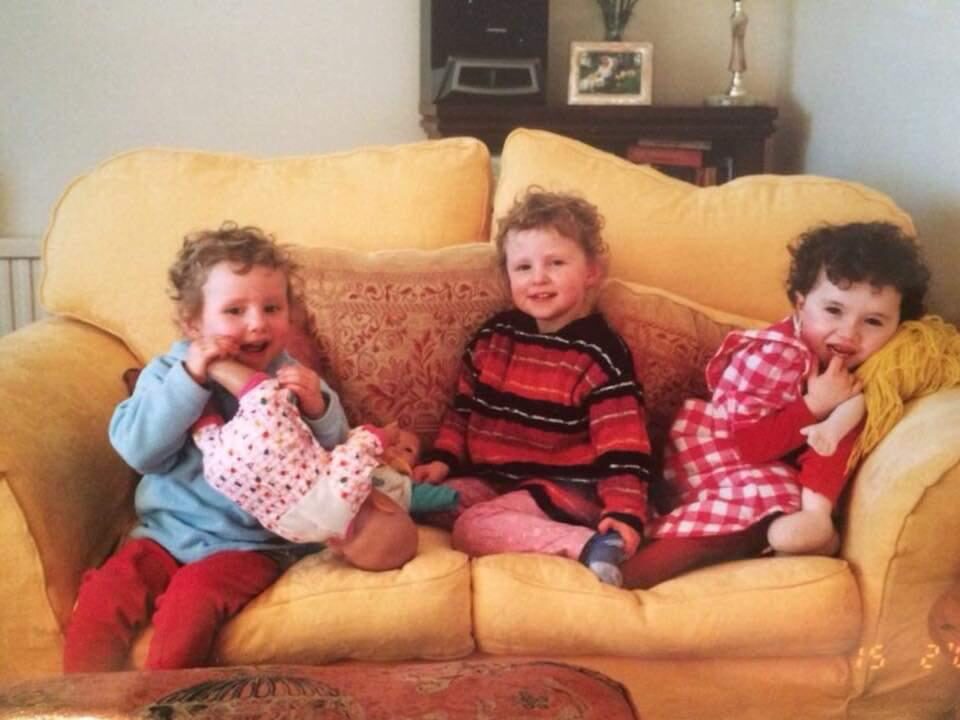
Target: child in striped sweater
x,y
546,439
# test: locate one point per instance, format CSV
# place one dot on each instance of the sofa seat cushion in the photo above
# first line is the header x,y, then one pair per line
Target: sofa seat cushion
x,y
390,327
723,246
767,607
116,230
322,610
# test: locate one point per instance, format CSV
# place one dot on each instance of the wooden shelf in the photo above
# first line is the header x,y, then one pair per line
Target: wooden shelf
x,y
739,133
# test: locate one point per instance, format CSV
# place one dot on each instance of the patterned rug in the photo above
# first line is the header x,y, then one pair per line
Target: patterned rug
x,y
427,691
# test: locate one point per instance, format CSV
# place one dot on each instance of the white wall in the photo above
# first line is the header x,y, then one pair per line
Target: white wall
x,y
81,80
873,95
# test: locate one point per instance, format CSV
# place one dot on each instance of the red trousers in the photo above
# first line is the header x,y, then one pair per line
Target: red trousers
x,y
188,605
665,558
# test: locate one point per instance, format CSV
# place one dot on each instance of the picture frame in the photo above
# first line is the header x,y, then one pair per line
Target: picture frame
x,y
610,73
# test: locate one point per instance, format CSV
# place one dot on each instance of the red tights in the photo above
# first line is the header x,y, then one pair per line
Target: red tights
x,y
188,604
665,558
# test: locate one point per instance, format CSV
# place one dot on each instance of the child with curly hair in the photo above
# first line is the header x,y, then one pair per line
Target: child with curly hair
x,y
546,440
738,467
195,558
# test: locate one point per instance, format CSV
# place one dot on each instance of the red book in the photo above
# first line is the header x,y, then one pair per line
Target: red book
x,y
666,155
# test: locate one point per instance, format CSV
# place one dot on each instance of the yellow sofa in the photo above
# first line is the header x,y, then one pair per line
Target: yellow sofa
x,y
397,273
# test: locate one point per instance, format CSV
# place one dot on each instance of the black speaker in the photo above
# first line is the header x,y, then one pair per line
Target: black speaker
x,y
483,50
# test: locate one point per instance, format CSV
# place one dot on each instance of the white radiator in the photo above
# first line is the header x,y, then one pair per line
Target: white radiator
x,y
19,283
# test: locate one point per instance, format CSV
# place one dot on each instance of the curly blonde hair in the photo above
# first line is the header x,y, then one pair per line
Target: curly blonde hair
x,y
569,215
244,247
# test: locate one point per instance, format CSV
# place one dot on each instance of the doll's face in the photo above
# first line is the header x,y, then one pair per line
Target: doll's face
x,y
403,453
406,447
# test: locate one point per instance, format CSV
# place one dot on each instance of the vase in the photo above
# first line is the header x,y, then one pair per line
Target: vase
x,y
616,15
614,33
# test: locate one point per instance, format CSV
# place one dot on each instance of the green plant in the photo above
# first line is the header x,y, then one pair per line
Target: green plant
x,y
616,15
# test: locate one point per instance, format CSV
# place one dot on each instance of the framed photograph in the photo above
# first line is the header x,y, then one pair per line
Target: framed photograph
x,y
611,73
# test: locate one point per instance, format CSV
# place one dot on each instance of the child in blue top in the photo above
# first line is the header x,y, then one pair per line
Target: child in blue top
x,y
195,558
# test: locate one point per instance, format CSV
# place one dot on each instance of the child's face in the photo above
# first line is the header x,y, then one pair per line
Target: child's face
x,y
550,276
251,309
852,322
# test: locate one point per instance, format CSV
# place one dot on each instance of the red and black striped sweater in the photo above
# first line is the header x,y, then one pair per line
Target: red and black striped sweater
x,y
560,414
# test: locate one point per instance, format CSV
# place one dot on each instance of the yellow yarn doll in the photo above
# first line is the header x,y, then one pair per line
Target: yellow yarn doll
x,y
921,358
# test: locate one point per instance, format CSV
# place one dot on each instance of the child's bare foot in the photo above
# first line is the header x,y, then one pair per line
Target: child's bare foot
x,y
805,532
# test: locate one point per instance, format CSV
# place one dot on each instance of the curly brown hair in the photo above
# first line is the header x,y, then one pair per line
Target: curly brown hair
x,y
878,253
244,247
569,215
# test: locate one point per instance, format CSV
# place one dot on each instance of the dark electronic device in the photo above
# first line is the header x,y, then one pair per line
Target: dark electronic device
x,y
483,50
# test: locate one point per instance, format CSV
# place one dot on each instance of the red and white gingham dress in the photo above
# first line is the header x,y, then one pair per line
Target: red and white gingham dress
x,y
712,490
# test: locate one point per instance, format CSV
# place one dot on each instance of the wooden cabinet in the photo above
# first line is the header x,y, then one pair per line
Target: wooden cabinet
x,y
738,134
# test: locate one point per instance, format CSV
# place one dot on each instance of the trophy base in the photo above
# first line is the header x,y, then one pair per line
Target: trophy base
x,y
730,100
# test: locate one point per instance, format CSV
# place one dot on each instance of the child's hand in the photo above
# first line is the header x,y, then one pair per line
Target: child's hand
x,y
433,473
820,438
305,384
631,538
203,351
827,389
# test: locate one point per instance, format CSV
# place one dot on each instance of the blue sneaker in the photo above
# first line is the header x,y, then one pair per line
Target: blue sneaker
x,y
603,554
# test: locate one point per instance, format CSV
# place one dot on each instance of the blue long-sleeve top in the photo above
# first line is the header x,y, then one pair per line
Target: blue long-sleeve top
x,y
176,507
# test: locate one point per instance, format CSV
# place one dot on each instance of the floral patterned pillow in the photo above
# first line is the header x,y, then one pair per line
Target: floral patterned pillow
x,y
391,326
671,340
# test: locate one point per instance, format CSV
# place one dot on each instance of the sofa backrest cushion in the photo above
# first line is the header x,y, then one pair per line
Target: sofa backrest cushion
x,y
116,230
671,340
724,246
391,326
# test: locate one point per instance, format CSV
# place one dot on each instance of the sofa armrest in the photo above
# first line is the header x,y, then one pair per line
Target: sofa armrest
x,y
65,496
903,545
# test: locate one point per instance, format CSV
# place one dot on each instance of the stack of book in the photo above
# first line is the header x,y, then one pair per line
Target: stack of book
x,y
691,160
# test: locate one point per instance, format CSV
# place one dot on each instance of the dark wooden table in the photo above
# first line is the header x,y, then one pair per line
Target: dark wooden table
x,y
738,133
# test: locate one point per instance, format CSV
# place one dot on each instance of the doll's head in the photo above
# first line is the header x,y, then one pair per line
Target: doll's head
x,y
403,451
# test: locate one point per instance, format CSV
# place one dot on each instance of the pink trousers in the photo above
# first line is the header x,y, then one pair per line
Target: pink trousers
x,y
189,603
489,523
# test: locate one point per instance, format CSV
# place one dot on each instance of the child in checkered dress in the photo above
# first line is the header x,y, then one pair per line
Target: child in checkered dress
x,y
740,470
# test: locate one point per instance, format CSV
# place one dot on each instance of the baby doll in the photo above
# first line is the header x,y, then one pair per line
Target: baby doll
x,y
394,478
267,461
